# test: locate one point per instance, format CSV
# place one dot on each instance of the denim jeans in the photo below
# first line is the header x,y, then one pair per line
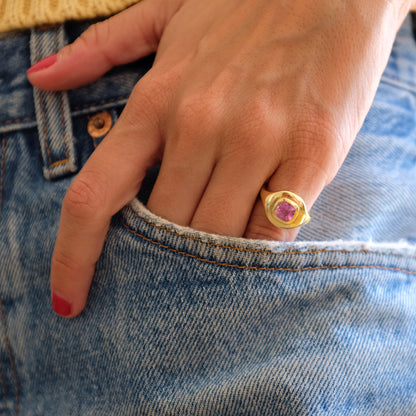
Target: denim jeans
x,y
181,322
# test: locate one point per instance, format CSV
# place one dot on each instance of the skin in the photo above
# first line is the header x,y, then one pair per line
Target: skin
x,y
242,93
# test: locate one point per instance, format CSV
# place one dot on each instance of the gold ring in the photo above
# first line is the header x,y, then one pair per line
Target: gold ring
x,y
284,209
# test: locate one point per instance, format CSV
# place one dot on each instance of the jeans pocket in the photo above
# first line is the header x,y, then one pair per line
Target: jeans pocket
x,y
202,324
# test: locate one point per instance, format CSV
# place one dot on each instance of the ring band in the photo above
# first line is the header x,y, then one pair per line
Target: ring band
x,y
284,209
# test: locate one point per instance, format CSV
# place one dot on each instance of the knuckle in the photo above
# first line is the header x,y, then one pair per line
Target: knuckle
x,y
139,107
257,133
83,199
148,99
260,112
317,141
197,111
148,93
317,126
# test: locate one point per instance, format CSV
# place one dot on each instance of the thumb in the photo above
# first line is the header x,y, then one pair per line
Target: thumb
x,y
123,38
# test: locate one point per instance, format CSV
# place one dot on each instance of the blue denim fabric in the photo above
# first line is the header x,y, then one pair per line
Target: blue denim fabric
x,y
181,322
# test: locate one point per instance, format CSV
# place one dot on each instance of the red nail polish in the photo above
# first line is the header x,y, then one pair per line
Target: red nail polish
x,y
43,63
60,305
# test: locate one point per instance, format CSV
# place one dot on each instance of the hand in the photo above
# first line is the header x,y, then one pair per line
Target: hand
x,y
242,92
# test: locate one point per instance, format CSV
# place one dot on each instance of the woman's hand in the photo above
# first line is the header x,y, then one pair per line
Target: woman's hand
x,y
242,92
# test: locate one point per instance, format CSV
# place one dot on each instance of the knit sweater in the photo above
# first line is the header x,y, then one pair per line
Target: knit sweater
x,y
23,14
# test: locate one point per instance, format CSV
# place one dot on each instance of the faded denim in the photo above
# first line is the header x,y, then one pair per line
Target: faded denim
x,y
181,322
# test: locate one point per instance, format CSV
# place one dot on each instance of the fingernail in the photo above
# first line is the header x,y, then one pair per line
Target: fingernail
x,y
60,305
43,63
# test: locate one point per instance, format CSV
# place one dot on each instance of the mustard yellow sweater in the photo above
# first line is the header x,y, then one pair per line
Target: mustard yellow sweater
x,y
23,14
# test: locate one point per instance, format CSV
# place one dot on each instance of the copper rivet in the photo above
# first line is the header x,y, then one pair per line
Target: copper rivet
x,y
100,124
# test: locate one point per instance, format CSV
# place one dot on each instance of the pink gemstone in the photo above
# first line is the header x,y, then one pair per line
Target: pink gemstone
x,y
285,211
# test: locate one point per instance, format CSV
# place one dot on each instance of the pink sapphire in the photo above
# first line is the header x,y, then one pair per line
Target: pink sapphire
x,y
285,211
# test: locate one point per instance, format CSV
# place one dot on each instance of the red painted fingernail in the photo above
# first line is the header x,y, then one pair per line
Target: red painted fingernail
x,y
60,305
43,63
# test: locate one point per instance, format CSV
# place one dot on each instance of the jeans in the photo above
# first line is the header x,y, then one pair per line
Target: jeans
x,y
180,322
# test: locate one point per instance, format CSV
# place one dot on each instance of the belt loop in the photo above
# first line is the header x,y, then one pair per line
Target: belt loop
x,y
53,114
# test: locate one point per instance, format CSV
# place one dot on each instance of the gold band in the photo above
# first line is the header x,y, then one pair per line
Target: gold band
x,y
284,209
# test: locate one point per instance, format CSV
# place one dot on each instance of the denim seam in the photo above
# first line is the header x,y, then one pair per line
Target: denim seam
x,y
11,359
17,120
265,268
248,250
2,170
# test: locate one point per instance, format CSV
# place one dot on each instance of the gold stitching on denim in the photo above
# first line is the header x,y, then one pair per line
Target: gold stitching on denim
x,y
11,359
17,120
248,250
2,168
58,163
264,268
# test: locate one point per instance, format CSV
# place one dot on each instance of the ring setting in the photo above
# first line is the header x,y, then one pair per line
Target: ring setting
x,y
285,209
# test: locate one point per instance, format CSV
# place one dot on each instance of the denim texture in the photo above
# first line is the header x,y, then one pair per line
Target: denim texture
x,y
181,322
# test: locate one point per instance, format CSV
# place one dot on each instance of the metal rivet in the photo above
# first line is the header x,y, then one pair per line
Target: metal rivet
x,y
100,124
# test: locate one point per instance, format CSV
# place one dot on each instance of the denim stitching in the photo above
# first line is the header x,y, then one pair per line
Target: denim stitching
x,y
2,169
11,359
58,163
273,269
248,250
17,120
